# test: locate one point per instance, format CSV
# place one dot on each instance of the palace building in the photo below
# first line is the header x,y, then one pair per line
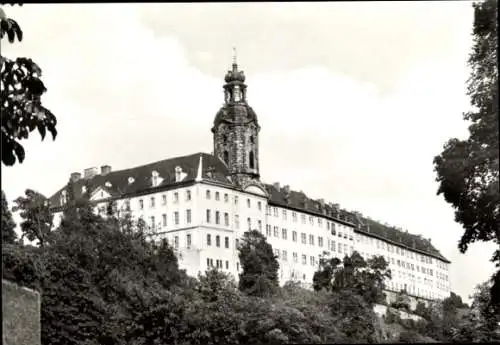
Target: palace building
x,y
203,203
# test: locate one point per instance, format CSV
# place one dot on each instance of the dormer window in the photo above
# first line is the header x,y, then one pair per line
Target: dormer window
x,y
236,93
84,189
108,184
154,178
131,180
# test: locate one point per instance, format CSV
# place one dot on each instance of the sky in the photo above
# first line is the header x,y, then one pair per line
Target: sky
x,y
354,99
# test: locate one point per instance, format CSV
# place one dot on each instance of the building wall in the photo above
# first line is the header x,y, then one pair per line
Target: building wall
x,y
219,212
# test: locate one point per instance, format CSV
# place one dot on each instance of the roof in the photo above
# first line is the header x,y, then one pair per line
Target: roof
x,y
284,197
214,170
240,113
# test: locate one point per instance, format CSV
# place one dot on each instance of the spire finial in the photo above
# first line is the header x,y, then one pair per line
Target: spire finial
x,y
234,56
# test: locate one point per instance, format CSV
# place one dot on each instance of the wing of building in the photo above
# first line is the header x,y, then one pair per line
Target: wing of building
x,y
203,203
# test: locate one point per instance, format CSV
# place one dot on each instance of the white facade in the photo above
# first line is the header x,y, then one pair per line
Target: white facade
x,y
204,222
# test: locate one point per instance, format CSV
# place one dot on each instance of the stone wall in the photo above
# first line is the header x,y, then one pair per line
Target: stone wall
x,y
21,315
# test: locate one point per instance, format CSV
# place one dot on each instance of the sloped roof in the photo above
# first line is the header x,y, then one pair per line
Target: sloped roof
x,y
285,197
213,169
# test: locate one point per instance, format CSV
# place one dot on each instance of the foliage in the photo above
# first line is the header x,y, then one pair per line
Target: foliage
x,y
365,278
468,170
259,276
410,337
8,225
402,301
21,107
37,218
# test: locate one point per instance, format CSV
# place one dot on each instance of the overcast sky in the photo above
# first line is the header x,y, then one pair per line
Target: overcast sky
x,y
354,99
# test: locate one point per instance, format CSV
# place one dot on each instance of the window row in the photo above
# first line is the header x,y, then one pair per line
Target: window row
x,y
218,263
283,255
283,234
176,244
217,241
208,196
275,211
163,200
217,220
156,224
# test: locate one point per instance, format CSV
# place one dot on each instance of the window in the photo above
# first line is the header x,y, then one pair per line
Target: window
x,y
294,217
252,141
327,225
259,205
236,200
217,217
268,210
217,196
320,241
303,218
176,218
277,253
248,203
236,221
249,222
141,204
164,199
207,194
304,259
311,240
284,214
276,232
164,218
226,156
283,234
320,222
227,265
295,257
176,242
153,222
333,230
303,238
268,230
312,260
340,234
237,243
226,219
251,159
311,220
226,197
127,205
176,198
259,225
294,236
340,248
275,211
217,241
188,241
209,263
188,195
208,216
188,216
284,255
152,202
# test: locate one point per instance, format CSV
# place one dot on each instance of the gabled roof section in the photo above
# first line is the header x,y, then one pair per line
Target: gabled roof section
x,y
116,183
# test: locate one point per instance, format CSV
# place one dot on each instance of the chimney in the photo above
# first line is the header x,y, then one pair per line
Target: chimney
x,y
90,172
276,186
105,169
76,176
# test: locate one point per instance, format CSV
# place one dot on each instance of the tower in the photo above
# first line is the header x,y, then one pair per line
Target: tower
x,y
236,130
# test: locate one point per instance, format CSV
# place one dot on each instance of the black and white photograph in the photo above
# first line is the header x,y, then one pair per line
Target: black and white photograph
x,y
250,173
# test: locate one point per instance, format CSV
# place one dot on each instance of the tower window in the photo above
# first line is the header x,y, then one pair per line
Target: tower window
x,y
251,158
252,139
226,157
224,139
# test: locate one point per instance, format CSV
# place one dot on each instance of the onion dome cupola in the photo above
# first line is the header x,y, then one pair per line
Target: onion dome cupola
x,y
236,129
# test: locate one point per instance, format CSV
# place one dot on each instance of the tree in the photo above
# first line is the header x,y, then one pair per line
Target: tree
x,y
36,215
402,301
365,278
468,170
259,276
8,224
21,106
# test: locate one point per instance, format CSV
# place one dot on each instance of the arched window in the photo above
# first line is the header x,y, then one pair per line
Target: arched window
x,y
251,158
224,139
226,157
252,139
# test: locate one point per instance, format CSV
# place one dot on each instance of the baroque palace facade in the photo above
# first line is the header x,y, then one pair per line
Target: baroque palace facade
x,y
203,203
